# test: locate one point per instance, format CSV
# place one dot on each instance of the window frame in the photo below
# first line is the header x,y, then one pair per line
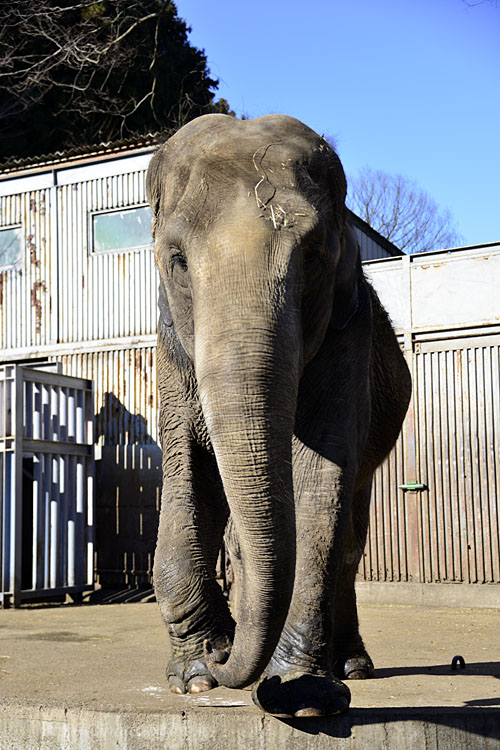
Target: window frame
x,y
106,212
8,266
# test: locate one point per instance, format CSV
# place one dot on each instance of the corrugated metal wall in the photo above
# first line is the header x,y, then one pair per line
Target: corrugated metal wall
x,y
25,288
96,314
126,402
128,460
108,294
446,312
60,291
457,392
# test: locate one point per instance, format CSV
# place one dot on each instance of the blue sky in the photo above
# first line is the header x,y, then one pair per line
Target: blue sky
x,y
407,86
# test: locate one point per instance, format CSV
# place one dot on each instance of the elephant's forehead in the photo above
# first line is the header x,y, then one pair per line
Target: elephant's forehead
x,y
271,142
214,131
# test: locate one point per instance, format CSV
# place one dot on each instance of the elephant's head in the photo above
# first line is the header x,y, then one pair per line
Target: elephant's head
x,y
256,261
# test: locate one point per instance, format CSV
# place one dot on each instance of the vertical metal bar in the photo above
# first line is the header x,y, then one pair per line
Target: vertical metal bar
x,y
17,519
54,521
45,421
3,446
467,470
9,500
412,499
495,461
28,410
47,490
453,531
481,464
90,521
3,501
80,518
37,412
80,423
62,529
63,414
72,543
72,415
37,553
489,464
461,505
54,244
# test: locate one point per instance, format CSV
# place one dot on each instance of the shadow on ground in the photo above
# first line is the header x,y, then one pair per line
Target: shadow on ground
x,y
463,719
488,668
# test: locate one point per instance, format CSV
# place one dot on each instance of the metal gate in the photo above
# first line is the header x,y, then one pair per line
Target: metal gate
x,y
46,492
435,515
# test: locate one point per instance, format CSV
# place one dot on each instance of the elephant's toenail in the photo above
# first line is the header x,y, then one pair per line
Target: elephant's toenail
x,y
308,711
200,686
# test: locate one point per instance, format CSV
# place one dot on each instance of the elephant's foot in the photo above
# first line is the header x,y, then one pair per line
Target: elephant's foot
x,y
301,695
189,676
358,666
187,671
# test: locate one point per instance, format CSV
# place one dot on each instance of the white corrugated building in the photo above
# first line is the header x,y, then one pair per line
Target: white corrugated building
x,y
78,287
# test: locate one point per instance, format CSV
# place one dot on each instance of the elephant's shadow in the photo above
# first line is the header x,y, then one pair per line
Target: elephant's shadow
x,y
342,726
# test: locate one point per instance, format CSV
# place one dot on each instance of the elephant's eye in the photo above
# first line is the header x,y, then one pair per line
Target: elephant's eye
x,y
179,270
179,260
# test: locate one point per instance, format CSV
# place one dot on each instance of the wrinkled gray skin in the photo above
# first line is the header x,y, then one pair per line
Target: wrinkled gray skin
x,y
282,387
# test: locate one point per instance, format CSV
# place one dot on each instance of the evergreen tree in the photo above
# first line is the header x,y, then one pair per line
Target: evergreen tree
x,y
82,73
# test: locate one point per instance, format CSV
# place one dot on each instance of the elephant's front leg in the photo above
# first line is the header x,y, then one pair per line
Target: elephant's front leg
x,y
299,680
192,520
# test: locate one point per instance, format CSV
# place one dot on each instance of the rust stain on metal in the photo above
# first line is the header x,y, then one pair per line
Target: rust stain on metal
x,y
37,304
122,266
32,248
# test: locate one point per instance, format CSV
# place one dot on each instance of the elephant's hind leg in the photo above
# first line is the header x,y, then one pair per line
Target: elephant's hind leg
x,y
350,658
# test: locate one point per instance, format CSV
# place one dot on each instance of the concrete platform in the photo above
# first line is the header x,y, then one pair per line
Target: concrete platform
x,y
92,676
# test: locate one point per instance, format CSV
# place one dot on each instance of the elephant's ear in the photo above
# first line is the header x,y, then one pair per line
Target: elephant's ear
x,y
153,187
348,275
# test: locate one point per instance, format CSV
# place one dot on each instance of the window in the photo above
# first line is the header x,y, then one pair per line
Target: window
x,y
11,246
121,230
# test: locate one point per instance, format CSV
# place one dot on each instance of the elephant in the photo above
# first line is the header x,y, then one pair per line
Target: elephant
x,y
282,387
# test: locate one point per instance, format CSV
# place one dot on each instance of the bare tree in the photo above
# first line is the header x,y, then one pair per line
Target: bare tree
x,y
473,3
402,212
76,72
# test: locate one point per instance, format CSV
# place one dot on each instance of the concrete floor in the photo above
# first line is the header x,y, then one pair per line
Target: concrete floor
x,y
92,676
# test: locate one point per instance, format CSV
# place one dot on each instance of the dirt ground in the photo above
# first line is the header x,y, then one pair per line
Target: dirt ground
x,y
114,655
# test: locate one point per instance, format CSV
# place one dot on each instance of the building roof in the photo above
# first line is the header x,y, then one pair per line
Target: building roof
x,y
14,165
374,235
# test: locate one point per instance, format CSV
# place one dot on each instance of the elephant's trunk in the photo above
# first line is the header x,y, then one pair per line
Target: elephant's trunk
x,y
248,373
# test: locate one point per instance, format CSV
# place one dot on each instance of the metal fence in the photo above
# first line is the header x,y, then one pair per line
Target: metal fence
x,y
46,492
